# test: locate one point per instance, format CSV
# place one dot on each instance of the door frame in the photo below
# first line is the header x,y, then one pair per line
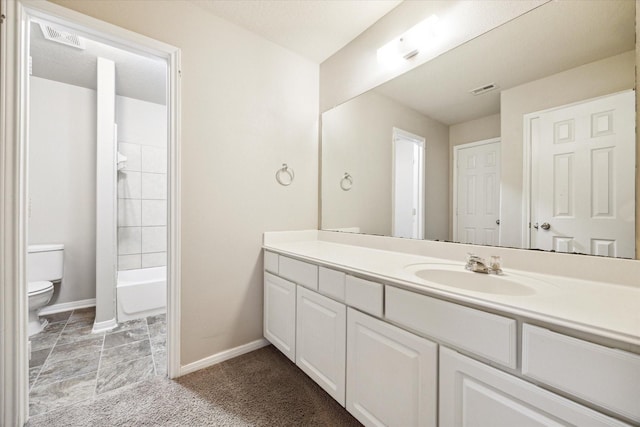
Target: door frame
x,y
14,127
454,190
422,143
527,183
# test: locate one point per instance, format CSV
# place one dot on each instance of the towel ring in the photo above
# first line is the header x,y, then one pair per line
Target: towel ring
x,y
346,182
285,175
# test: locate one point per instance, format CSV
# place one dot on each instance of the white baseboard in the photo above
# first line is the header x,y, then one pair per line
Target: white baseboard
x,y
106,325
67,306
222,356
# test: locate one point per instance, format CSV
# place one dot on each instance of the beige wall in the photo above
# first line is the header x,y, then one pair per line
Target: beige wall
x,y
355,69
587,81
463,133
248,106
357,138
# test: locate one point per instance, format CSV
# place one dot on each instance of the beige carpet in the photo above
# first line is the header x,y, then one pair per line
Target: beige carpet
x,y
261,388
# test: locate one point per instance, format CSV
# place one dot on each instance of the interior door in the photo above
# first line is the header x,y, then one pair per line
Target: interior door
x,y
583,175
477,201
408,185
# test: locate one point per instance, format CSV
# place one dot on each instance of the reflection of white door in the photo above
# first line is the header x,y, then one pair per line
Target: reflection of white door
x,y
583,175
408,185
476,203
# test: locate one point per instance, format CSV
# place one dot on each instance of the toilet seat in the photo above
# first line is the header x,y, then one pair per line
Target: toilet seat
x,y
39,287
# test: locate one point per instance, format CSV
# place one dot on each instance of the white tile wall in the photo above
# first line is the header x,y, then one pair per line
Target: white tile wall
x,y
129,262
154,212
129,212
129,240
154,239
154,186
157,259
129,185
142,184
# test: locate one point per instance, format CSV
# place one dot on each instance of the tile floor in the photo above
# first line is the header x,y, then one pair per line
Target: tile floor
x,y
69,364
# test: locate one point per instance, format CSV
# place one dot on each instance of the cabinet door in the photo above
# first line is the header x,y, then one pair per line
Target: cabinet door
x,y
280,314
473,394
391,374
321,341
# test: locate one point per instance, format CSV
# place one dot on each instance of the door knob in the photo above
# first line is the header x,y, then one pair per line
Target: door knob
x,y
497,222
545,226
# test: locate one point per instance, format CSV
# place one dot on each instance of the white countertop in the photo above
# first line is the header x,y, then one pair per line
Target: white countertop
x,y
603,309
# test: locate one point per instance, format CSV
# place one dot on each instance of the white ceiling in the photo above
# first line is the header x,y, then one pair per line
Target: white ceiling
x,y
137,76
555,37
315,29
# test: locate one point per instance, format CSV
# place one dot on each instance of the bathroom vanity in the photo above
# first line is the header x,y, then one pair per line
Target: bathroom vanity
x,y
403,339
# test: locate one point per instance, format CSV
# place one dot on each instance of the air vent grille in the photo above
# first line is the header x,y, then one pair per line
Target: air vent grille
x,y
58,35
483,89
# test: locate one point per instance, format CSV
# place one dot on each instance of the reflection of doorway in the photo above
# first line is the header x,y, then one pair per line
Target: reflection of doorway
x,y
476,199
407,214
582,177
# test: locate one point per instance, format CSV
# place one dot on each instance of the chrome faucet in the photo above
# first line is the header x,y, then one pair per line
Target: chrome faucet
x,y
478,264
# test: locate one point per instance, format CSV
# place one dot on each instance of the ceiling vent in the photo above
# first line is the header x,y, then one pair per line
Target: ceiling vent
x,y
59,35
483,89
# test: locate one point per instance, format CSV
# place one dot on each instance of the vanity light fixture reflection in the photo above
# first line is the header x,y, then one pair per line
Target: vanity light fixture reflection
x,y
409,44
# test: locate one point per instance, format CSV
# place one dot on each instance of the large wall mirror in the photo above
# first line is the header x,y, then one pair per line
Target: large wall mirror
x,y
523,137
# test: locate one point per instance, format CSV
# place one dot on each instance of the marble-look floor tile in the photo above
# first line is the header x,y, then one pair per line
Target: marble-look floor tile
x,y
64,369
33,374
80,322
125,337
38,357
130,324
159,318
83,313
52,396
43,340
125,353
157,329
159,342
115,376
58,317
76,349
77,334
160,362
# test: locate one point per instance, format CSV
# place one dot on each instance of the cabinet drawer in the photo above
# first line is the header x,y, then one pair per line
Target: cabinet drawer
x,y
487,335
607,377
299,272
271,262
364,295
331,283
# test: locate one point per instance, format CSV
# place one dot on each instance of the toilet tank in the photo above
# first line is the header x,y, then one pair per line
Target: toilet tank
x,y
45,262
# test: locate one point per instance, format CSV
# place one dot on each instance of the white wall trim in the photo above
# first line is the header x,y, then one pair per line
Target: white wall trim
x,y
454,189
14,36
67,306
223,355
104,326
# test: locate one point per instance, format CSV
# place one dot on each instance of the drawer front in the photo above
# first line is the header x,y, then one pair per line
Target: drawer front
x,y
299,272
487,335
364,295
607,377
331,283
271,262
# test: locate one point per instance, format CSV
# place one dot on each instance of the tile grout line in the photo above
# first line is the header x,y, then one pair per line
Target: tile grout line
x,y
50,351
95,388
153,357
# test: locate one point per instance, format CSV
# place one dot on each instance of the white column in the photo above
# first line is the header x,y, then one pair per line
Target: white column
x,y
106,208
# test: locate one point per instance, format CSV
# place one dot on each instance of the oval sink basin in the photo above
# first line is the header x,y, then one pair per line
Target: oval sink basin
x,y
456,276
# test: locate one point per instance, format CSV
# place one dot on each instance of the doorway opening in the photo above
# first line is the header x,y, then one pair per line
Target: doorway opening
x,y
408,184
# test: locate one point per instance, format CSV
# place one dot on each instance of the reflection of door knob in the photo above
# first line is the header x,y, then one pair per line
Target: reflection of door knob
x,y
497,222
545,226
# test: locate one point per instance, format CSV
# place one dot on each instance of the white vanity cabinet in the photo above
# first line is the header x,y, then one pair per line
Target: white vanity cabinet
x,y
321,341
473,394
279,323
391,374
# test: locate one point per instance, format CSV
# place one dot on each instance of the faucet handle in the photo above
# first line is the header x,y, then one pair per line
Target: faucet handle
x,y
495,264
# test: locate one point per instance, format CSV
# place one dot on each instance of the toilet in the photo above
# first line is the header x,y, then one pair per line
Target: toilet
x,y
44,267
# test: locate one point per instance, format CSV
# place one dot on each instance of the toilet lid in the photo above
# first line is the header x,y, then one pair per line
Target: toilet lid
x,y
39,286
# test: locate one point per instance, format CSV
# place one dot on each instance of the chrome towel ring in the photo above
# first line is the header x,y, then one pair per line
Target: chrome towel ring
x,y
285,175
346,182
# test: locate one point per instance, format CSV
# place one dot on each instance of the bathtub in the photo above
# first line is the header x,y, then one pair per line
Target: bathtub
x,y
141,293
